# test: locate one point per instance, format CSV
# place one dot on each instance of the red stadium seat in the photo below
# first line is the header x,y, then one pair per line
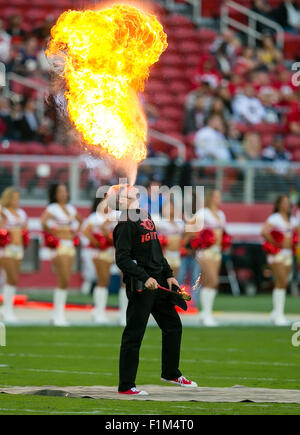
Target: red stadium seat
x,y
178,86
268,128
172,113
296,156
179,21
190,139
211,8
154,86
167,127
35,148
172,73
8,12
73,150
206,35
164,99
291,46
292,142
170,59
190,48
267,139
244,128
191,61
185,34
15,3
180,99
15,148
56,149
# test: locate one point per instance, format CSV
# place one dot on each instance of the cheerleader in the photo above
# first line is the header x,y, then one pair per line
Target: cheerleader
x,y
98,230
61,222
173,231
13,229
279,232
208,246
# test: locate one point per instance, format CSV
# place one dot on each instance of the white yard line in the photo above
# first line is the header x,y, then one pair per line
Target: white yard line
x,y
229,378
193,361
73,372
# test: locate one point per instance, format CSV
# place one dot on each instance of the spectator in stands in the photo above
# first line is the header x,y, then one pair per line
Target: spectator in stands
x,y
43,32
26,60
17,114
5,44
210,141
206,72
194,117
275,178
276,152
5,117
247,108
246,62
293,121
219,108
223,61
15,29
251,147
263,8
268,98
230,43
269,56
288,15
29,124
234,140
204,91
223,92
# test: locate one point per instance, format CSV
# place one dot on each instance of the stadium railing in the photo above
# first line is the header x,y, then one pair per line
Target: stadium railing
x,y
26,82
249,29
247,183
196,4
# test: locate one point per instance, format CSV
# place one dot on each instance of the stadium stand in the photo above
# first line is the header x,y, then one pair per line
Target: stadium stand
x,y
203,73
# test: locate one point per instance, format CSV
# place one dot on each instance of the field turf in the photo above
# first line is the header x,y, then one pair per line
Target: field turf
x,y
261,303
222,357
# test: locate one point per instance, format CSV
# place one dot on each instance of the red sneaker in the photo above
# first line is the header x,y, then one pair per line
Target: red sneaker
x,y
134,392
182,382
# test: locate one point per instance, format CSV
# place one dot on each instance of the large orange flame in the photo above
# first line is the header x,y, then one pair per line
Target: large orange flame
x,y
106,59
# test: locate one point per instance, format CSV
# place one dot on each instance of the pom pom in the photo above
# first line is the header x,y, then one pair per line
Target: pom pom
x,y
226,241
4,238
51,241
204,240
26,238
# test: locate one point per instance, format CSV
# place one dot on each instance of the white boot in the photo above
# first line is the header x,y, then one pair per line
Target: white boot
x,y
100,302
277,315
86,287
207,298
8,314
59,302
123,303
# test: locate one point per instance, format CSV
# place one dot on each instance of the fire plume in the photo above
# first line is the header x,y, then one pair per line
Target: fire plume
x,y
106,58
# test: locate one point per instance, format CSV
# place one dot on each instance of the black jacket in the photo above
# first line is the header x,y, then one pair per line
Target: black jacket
x,y
138,251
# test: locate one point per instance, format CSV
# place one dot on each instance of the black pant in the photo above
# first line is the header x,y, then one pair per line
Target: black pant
x,y
140,306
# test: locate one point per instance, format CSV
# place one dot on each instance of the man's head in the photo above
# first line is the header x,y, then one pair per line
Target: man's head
x,y
216,122
123,197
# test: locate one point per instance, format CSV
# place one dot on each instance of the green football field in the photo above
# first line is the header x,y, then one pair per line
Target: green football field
x,y
222,357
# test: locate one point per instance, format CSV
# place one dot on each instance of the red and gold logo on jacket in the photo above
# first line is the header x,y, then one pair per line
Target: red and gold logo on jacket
x,y
148,224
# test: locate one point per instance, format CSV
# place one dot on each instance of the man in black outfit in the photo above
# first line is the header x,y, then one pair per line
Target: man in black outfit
x,y
140,258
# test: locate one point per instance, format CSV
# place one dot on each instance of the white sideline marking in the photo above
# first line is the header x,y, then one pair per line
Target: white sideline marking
x,y
234,378
74,372
58,412
250,379
200,361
